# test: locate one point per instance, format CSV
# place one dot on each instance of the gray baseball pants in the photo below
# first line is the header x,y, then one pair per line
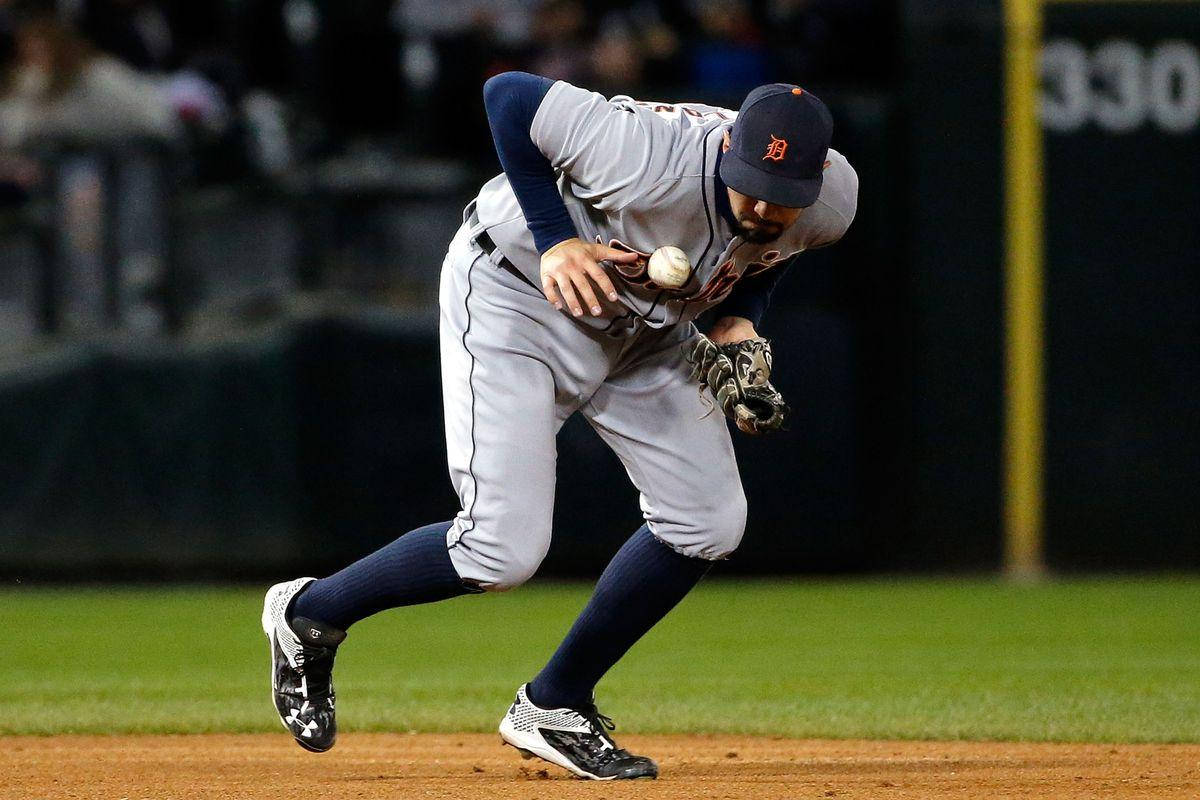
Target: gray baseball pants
x,y
514,369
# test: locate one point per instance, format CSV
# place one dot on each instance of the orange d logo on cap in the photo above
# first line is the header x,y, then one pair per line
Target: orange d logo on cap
x,y
777,146
775,149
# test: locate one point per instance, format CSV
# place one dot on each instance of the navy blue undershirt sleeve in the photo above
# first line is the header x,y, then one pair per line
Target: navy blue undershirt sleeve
x,y
751,295
511,100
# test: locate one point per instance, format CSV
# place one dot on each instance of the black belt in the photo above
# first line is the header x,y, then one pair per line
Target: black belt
x,y
488,247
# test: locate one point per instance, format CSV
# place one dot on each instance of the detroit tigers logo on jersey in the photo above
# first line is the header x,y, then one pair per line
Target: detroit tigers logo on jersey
x,y
714,288
725,276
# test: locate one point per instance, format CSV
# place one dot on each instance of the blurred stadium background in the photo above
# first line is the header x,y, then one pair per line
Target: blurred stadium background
x,y
222,224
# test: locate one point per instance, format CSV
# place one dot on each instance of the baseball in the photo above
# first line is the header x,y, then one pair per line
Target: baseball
x,y
669,267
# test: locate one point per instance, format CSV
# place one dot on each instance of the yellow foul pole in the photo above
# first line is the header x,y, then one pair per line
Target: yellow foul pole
x,y
1023,434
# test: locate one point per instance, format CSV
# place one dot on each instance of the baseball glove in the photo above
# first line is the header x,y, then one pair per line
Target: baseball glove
x,y
737,375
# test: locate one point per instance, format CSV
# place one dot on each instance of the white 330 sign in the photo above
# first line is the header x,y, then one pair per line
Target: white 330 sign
x,y
1120,87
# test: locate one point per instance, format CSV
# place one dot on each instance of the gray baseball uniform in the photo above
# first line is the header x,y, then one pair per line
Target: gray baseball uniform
x,y
635,176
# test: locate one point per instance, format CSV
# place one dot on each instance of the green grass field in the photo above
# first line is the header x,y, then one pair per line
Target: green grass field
x,y
1087,660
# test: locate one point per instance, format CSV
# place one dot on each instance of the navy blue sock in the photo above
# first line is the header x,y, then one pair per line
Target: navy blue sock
x,y
644,581
414,569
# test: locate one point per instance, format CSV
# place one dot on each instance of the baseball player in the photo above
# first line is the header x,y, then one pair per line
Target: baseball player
x,y
554,301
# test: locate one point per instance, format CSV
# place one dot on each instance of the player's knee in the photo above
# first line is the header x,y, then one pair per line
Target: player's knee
x,y
517,569
726,524
712,532
503,560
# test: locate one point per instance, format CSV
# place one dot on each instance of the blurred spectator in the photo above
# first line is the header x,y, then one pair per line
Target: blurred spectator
x,y
18,177
617,60
731,55
656,34
190,45
508,21
58,87
17,174
562,41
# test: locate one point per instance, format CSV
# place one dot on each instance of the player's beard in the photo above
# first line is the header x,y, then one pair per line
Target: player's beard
x,y
758,231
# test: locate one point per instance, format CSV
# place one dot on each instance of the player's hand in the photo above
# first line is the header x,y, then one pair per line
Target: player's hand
x,y
728,330
571,267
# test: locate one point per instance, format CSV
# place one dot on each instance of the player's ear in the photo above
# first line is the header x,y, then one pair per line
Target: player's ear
x,y
725,143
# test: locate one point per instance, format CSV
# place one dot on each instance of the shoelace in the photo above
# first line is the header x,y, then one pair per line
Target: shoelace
x,y
600,723
317,664
598,720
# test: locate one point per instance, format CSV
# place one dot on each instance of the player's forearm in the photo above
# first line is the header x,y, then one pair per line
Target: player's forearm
x,y
511,100
727,330
752,295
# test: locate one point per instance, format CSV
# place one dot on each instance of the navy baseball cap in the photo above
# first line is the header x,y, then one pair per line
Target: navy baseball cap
x,y
778,146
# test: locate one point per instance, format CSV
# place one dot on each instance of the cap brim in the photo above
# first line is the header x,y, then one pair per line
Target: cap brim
x,y
753,182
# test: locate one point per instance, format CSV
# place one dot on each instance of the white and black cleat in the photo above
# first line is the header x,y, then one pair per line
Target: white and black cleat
x,y
302,653
573,738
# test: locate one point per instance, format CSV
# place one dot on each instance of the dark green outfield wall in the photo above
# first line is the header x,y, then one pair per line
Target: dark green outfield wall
x,y
953,248
304,447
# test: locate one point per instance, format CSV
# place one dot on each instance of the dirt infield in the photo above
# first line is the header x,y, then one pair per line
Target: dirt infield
x,y
475,766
